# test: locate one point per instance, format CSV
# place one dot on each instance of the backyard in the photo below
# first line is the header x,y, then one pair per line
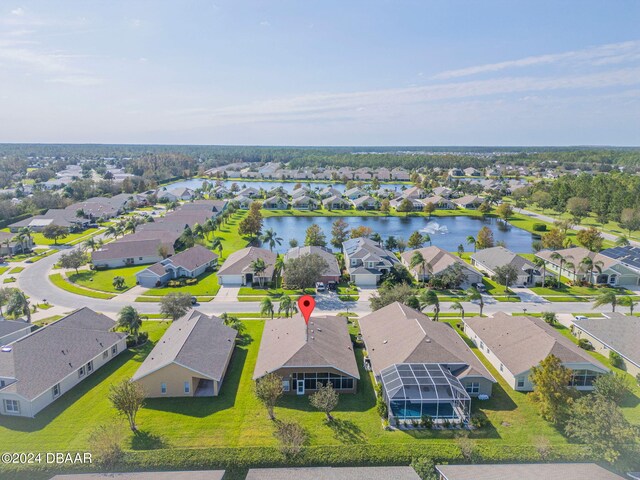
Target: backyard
x,y
103,279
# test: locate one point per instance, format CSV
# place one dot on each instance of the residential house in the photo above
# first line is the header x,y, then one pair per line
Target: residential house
x,y
179,475
628,256
470,202
366,261
425,367
355,192
437,263
416,203
333,473
305,354
516,344
335,203
12,330
400,174
440,202
39,368
383,174
190,360
456,172
362,174
616,333
329,192
445,192
300,192
526,471
489,259
275,203
414,192
190,263
249,192
332,274
209,209
599,269
54,216
238,270
304,202
243,202
136,249
472,172
10,246
365,202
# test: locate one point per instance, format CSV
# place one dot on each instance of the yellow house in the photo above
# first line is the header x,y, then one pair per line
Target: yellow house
x,y
190,360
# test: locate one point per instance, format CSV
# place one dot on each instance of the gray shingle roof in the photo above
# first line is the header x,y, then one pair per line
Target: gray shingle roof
x,y
193,257
527,471
619,332
495,257
239,262
46,356
195,341
333,473
186,475
325,341
7,327
438,259
131,246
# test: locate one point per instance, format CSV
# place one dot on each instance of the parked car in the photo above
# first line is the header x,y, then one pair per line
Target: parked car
x,y
194,301
320,287
480,287
580,317
332,286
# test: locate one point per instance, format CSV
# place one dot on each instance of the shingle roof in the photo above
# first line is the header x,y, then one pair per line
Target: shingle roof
x,y
195,341
399,334
46,356
325,341
193,257
495,257
239,262
181,475
619,332
575,255
333,473
522,342
438,259
328,257
527,471
131,246
7,327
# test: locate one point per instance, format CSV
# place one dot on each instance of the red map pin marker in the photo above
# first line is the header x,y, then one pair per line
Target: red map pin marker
x,y
306,304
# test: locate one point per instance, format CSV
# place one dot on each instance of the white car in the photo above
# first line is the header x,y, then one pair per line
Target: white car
x,y
320,287
580,317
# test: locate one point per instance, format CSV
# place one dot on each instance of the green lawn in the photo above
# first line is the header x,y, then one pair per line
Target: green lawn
x,y
231,239
103,279
9,280
207,286
16,269
3,270
59,281
39,239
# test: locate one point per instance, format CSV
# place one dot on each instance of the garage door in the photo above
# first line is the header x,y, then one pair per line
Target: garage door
x,y
230,280
366,280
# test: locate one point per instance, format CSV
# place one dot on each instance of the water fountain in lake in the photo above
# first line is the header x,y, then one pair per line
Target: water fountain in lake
x,y
434,228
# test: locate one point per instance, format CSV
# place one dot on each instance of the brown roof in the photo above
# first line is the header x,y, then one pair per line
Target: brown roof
x,y
289,342
239,262
438,258
399,334
522,342
193,257
527,471
131,246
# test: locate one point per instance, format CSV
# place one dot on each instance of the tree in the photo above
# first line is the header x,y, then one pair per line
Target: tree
x,y
458,306
405,206
429,298
251,225
630,219
599,424
616,359
612,386
471,240
416,240
266,308
375,236
429,208
305,270
401,245
590,238
542,265
542,199
484,238
473,294
233,322
127,398
417,260
325,399
118,282
268,390
130,320
484,208
270,237
425,468
460,250
339,232
578,207
315,237
5,295
259,267
216,244
627,301
54,232
287,306
361,232
391,243
553,239
387,295
550,318
175,305
506,275
74,259
607,297
292,438
504,211
385,206
18,304
551,389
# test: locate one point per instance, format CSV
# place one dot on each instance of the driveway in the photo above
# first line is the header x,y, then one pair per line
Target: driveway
x,y
226,294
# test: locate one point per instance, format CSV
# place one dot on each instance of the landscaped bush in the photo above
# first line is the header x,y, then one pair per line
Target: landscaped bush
x,y
585,344
191,281
479,420
539,227
616,359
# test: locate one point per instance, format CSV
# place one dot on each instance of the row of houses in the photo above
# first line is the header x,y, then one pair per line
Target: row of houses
x,y
278,171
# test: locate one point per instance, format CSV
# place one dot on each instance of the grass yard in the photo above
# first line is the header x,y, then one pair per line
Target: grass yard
x,y
9,280
38,238
59,281
16,269
3,270
103,279
231,239
207,286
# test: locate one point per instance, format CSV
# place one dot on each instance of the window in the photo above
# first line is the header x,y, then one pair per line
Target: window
x,y
583,378
285,385
90,367
11,406
314,379
105,354
56,390
81,372
2,384
501,367
163,388
520,382
187,387
481,345
472,387
139,258
114,350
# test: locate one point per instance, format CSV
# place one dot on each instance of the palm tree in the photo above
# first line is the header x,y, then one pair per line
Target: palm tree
x,y
259,267
571,266
208,227
561,259
458,306
542,264
471,240
429,298
7,243
622,241
130,320
417,259
131,226
473,294
279,267
198,230
376,238
233,322
19,238
271,238
90,244
266,307
18,304
427,238
627,301
112,231
608,297
587,264
287,306
26,232
216,244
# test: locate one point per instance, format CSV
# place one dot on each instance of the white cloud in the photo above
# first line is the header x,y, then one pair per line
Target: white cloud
x,y
77,80
599,55
17,11
265,23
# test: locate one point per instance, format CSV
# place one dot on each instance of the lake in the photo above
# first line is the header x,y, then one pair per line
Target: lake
x,y
288,186
445,232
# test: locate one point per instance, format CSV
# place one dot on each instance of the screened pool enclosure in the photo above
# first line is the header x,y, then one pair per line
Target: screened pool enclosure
x,y
416,390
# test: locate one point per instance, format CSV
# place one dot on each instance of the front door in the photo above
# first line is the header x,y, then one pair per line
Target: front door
x,y
300,390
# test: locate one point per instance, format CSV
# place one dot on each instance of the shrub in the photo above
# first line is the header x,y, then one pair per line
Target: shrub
x,y
192,281
425,468
616,359
539,227
585,344
382,408
292,438
105,443
479,420
427,421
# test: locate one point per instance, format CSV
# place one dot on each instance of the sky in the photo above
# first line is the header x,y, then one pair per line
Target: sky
x,y
307,72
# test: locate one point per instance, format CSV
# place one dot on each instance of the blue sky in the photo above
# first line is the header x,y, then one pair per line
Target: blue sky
x,y
321,72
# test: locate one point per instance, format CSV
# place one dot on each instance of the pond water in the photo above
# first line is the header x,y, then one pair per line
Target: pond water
x,y
288,186
445,232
